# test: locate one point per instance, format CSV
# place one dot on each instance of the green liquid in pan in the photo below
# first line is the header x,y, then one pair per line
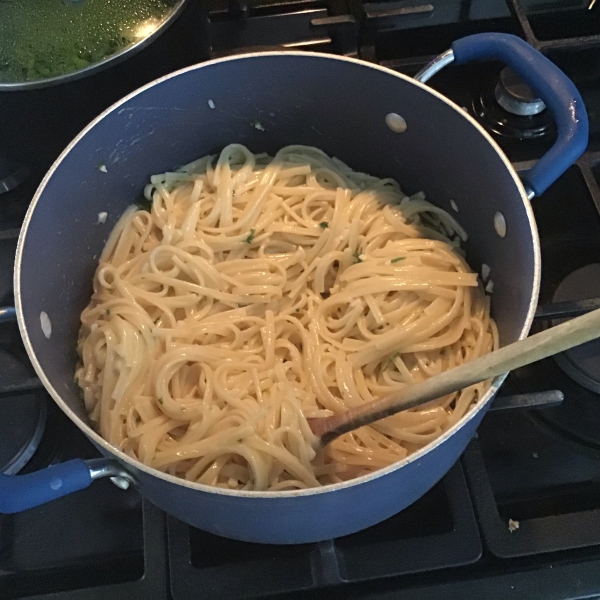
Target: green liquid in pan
x,y
47,38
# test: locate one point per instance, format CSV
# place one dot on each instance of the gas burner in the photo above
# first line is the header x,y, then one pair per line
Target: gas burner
x,y
509,108
581,363
516,97
22,424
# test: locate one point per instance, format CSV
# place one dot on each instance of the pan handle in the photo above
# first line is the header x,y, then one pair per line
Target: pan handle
x,y
548,82
20,492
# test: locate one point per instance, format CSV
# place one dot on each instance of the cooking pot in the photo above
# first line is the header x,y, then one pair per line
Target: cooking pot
x,y
373,119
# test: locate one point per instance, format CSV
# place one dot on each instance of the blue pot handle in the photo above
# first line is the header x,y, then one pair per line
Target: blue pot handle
x,y
548,82
20,492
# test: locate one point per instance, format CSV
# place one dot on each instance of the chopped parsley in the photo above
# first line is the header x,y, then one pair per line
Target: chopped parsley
x,y
297,310
159,400
324,225
395,260
143,203
250,237
107,312
356,256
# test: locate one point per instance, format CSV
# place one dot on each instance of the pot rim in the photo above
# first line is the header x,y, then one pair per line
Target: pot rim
x,y
136,465
109,61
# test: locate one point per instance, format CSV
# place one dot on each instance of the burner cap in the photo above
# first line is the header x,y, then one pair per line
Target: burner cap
x,y
516,97
508,107
582,363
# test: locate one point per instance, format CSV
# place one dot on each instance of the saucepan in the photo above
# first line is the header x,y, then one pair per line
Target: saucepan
x,y
372,118
49,43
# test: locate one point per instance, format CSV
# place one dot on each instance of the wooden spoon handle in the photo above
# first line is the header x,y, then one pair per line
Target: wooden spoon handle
x,y
541,345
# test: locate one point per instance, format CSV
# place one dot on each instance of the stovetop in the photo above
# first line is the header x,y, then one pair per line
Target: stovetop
x,y
518,516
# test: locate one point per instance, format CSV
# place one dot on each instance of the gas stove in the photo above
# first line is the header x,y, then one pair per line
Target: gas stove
x,y
518,516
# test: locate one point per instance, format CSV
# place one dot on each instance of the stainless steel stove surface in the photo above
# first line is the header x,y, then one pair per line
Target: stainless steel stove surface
x,y
517,517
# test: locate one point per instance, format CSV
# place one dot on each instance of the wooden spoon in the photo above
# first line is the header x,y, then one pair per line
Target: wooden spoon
x,y
541,345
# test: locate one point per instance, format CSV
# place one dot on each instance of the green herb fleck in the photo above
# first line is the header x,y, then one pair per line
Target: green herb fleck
x,y
143,203
356,255
159,400
250,238
297,310
395,260
392,358
324,225
107,312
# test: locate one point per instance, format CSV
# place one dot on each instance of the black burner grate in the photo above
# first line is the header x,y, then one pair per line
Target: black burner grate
x,y
438,531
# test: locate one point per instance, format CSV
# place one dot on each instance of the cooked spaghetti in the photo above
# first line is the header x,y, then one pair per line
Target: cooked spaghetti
x,y
255,293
